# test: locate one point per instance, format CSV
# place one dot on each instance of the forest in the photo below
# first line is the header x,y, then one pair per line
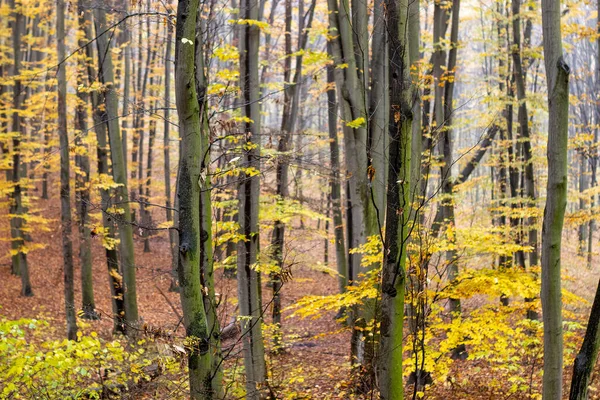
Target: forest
x,y
299,199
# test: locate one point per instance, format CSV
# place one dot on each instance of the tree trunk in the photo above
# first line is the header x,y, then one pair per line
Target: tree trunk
x,y
398,213
82,177
583,367
65,190
112,260
557,76
523,118
167,154
247,252
123,218
335,183
190,183
18,251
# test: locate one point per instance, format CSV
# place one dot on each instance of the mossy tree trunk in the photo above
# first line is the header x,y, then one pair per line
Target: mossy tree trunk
x,y
398,213
557,77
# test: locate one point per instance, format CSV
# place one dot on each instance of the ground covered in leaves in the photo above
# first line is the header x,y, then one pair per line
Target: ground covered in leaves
x,y
314,363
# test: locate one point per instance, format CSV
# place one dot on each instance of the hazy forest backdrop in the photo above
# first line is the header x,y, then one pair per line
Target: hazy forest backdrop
x,y
299,199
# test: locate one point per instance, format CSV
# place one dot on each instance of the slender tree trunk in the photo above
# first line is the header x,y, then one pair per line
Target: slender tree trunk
x,y
584,363
167,154
121,197
248,278
19,255
65,190
109,242
446,170
557,76
335,184
82,178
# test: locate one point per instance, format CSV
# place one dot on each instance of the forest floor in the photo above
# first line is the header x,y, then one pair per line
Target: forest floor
x,y
315,363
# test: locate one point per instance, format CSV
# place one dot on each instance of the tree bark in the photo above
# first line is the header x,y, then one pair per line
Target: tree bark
x,y
123,218
557,76
190,183
398,213
65,189
248,194
82,178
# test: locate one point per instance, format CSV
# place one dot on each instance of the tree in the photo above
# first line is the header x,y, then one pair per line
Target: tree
x,y
82,178
247,275
65,191
557,77
123,217
193,194
393,280
17,210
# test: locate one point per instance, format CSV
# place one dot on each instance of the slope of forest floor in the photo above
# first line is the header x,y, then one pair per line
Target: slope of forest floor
x,y
315,362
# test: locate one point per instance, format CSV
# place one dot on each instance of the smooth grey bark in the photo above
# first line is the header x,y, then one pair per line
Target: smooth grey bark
x,y
65,187
121,198
167,155
82,177
557,77
17,223
100,119
335,184
248,193
361,216
126,39
378,112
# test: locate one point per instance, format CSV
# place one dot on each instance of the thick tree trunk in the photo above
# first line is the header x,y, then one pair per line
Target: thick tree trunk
x,y
557,76
65,189
123,219
398,213
190,184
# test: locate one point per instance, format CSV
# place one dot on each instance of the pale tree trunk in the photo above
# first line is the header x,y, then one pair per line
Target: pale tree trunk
x,y
248,193
126,39
402,96
167,155
82,178
99,118
121,197
288,125
361,216
557,76
65,189
190,183
335,183
378,107
19,256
